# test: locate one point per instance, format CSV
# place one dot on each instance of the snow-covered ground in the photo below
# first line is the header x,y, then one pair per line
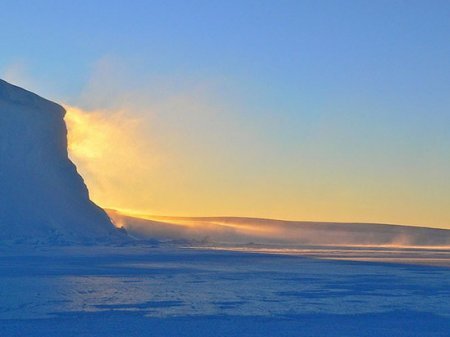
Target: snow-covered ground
x,y
167,290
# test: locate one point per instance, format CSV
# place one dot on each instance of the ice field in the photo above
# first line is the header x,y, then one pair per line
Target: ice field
x,y
166,290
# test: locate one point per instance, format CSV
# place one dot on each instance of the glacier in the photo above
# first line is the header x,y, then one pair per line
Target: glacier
x,y
43,198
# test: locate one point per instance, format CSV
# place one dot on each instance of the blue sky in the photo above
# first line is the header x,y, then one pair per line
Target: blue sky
x,y
345,101
320,47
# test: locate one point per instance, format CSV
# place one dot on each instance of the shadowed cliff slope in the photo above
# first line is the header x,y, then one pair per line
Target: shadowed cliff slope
x,y
42,197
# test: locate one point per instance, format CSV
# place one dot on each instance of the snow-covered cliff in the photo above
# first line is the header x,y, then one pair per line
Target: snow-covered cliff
x,y
42,197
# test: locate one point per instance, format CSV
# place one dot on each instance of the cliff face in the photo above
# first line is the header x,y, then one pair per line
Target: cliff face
x,y
42,197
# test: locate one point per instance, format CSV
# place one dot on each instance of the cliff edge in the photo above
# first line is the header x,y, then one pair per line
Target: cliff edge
x,y
42,196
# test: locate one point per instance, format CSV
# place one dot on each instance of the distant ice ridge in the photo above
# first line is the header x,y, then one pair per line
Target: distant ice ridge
x,y
42,196
235,230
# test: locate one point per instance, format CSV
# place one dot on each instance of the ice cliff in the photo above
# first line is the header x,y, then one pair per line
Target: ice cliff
x,y
42,197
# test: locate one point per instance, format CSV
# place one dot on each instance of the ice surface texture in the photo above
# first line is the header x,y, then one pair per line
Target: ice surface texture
x,y
42,197
144,291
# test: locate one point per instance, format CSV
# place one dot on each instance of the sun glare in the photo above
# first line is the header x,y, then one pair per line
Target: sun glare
x,y
107,150
87,135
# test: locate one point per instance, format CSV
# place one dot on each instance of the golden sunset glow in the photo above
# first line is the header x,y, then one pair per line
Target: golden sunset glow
x,y
89,134
108,154
155,162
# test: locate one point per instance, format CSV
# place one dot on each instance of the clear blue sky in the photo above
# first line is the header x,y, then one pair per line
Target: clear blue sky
x,y
349,100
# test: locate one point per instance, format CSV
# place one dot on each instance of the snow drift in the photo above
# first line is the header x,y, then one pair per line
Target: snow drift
x,y
234,230
42,197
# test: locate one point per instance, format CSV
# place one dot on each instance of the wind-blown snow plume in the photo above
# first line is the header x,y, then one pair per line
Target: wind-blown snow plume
x,y
112,155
